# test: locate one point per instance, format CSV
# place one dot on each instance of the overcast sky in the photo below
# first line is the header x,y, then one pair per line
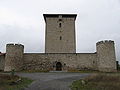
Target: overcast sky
x,y
21,21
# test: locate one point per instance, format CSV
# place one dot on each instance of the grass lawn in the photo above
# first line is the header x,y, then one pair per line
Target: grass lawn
x,y
98,82
8,82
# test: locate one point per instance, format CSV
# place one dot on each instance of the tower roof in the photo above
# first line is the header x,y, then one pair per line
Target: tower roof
x,y
57,15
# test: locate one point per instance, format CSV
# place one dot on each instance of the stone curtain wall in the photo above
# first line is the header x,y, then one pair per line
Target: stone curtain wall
x,y
36,61
104,60
2,62
87,61
39,61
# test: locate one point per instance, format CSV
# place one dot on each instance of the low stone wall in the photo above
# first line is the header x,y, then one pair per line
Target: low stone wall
x,y
44,61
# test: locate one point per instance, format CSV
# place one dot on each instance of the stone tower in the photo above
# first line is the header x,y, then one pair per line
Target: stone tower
x,y
60,33
106,56
14,57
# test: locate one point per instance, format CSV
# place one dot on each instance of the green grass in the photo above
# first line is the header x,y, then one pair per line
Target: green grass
x,y
6,80
98,82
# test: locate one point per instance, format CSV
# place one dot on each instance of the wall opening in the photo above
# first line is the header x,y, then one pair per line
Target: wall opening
x,y
58,66
60,19
60,24
60,38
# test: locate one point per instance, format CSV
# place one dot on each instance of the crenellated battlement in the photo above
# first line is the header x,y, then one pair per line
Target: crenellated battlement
x,y
104,42
10,44
15,45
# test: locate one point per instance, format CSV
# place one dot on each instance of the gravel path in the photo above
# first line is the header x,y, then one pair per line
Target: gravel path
x,y
52,81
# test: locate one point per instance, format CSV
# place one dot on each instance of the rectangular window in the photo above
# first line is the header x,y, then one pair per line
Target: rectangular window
x,y
60,38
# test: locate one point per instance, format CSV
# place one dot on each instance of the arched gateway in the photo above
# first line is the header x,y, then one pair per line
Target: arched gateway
x,y
58,66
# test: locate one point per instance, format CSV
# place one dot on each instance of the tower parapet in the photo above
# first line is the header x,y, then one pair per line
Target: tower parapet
x,y
14,56
105,41
106,56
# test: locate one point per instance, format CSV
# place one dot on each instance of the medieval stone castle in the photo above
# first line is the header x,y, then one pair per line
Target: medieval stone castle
x,y
60,50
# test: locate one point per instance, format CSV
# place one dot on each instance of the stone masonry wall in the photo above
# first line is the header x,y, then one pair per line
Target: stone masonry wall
x,y
2,62
42,61
60,39
14,55
106,56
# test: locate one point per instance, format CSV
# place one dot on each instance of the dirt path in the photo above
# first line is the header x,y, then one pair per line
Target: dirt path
x,y
52,81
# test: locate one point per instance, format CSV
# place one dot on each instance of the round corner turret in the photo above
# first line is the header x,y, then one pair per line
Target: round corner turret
x,y
106,56
14,56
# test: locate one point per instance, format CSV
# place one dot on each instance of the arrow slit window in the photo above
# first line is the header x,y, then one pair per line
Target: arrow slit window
x,y
60,38
60,25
